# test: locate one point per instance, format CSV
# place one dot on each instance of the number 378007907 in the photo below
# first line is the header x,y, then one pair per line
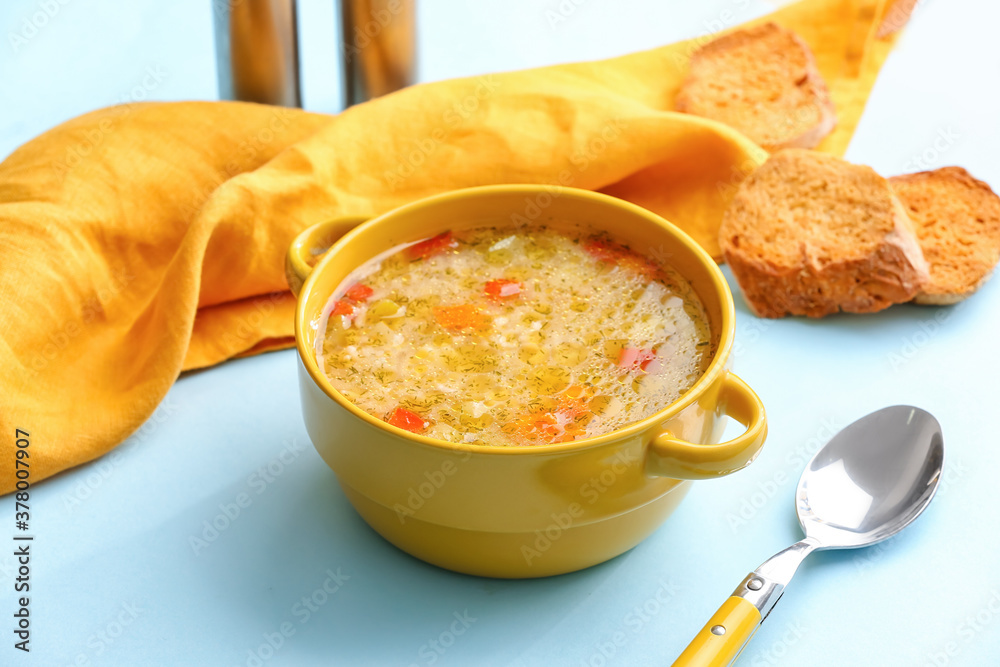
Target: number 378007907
x,y
22,471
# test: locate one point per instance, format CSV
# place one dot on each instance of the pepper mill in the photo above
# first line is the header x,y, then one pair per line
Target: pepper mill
x,y
258,52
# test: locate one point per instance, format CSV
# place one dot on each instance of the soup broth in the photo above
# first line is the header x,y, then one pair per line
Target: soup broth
x,y
513,337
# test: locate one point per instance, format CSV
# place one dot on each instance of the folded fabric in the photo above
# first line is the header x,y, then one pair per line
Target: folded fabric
x,y
142,240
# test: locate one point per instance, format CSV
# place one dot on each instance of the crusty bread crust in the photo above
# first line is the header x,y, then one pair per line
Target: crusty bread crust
x,y
810,234
957,221
764,82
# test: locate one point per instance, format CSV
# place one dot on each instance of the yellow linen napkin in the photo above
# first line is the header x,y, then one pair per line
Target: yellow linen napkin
x,y
142,240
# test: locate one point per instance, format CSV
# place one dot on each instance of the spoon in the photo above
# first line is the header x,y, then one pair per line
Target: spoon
x,y
868,483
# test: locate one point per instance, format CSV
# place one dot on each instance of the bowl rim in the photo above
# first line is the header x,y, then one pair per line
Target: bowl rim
x,y
716,368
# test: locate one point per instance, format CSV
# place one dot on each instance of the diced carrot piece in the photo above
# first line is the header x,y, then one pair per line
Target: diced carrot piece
x,y
461,317
602,249
639,265
503,289
634,359
615,253
628,357
432,246
342,307
359,292
538,426
652,366
407,420
563,424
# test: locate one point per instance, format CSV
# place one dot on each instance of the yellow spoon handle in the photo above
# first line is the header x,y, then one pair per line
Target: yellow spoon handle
x,y
723,637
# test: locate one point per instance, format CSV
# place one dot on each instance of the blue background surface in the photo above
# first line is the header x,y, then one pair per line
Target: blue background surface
x,y
116,579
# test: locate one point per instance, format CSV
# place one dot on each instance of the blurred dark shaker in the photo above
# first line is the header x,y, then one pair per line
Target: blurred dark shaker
x,y
256,44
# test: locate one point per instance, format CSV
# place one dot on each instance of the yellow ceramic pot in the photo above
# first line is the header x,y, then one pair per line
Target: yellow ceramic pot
x,y
520,511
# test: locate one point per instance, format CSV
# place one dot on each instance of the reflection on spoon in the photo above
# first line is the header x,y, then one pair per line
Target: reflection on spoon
x,y
868,483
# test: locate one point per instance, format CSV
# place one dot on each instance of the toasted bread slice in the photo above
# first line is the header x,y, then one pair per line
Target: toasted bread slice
x,y
764,82
810,234
957,221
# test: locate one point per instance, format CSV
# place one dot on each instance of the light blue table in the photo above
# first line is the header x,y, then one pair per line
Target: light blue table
x,y
298,579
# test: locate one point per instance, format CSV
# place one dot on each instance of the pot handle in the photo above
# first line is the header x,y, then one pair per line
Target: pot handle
x,y
307,248
668,456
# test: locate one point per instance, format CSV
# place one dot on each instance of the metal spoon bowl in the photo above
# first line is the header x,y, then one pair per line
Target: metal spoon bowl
x,y
868,483
872,479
